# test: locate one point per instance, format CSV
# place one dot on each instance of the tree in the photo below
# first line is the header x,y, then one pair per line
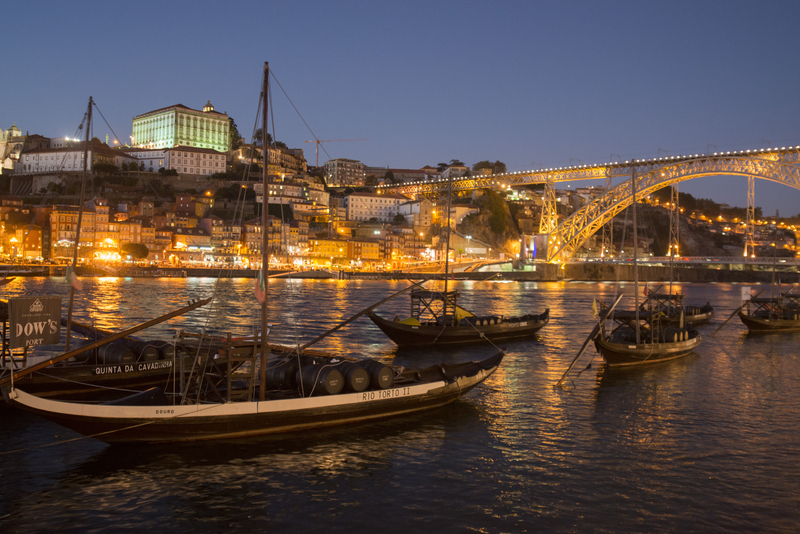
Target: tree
x,y
141,166
456,163
497,211
124,166
233,134
399,219
105,168
440,167
135,250
498,167
258,135
388,176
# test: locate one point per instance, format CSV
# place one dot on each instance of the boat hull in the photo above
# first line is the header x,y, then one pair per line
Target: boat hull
x,y
101,382
766,326
177,423
698,319
407,335
630,355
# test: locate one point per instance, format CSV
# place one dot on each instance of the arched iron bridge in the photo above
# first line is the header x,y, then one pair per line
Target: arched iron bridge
x,y
780,165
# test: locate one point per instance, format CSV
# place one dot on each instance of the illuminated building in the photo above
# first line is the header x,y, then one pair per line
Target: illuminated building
x,y
179,125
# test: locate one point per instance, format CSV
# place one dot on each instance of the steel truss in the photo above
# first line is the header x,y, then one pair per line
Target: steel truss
x,y
549,219
588,172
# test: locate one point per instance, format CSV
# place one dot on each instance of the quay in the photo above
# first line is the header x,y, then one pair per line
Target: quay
x,y
730,271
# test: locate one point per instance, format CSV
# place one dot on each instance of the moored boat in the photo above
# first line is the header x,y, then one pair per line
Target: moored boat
x,y
642,337
151,418
436,319
771,314
671,305
656,343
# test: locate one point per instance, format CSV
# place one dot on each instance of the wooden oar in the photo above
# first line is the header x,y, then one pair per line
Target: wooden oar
x,y
28,370
737,310
595,331
359,314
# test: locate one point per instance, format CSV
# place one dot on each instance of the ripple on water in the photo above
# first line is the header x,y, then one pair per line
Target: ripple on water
x,y
704,444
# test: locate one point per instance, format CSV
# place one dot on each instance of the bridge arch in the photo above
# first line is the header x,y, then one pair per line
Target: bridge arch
x,y
572,233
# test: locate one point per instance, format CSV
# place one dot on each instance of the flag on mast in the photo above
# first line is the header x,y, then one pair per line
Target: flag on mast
x,y
261,287
72,279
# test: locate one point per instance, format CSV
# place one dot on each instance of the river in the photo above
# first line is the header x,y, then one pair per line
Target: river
x,y
708,443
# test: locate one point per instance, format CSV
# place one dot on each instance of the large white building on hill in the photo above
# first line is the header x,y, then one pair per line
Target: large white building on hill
x,y
179,125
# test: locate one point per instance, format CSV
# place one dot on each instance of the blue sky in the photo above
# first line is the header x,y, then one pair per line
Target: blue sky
x,y
528,83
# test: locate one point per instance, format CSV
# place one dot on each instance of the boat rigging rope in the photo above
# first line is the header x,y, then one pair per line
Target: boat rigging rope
x,y
482,335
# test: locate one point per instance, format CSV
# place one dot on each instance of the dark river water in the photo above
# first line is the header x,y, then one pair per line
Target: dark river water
x,y
708,443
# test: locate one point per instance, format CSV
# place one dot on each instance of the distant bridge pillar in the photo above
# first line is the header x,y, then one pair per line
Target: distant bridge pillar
x,y
749,237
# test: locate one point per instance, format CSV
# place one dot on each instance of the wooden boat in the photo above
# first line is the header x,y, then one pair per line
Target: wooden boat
x,y
436,319
150,418
671,305
643,337
657,342
771,314
249,392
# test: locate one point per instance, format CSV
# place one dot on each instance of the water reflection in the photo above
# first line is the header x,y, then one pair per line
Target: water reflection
x,y
631,451
219,481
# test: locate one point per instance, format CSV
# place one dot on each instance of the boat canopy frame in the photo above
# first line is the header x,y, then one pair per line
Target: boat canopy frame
x,y
434,306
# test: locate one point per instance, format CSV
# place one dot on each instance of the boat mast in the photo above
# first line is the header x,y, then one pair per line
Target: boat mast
x,y
635,266
447,246
262,390
674,222
80,218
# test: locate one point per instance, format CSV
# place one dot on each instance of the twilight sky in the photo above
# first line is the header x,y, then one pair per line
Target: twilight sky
x,y
529,83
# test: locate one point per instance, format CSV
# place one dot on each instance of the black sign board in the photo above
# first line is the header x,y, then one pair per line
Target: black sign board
x,y
34,321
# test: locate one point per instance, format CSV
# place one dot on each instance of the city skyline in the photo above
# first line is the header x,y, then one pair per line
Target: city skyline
x,y
530,84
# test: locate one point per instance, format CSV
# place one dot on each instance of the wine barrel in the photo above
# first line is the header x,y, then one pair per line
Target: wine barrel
x,y
380,375
319,380
166,350
356,378
282,375
115,352
145,351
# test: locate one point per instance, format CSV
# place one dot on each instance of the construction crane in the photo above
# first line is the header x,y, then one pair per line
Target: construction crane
x,y
318,141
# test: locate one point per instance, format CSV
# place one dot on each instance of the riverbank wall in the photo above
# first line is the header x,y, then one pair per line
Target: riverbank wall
x,y
589,272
